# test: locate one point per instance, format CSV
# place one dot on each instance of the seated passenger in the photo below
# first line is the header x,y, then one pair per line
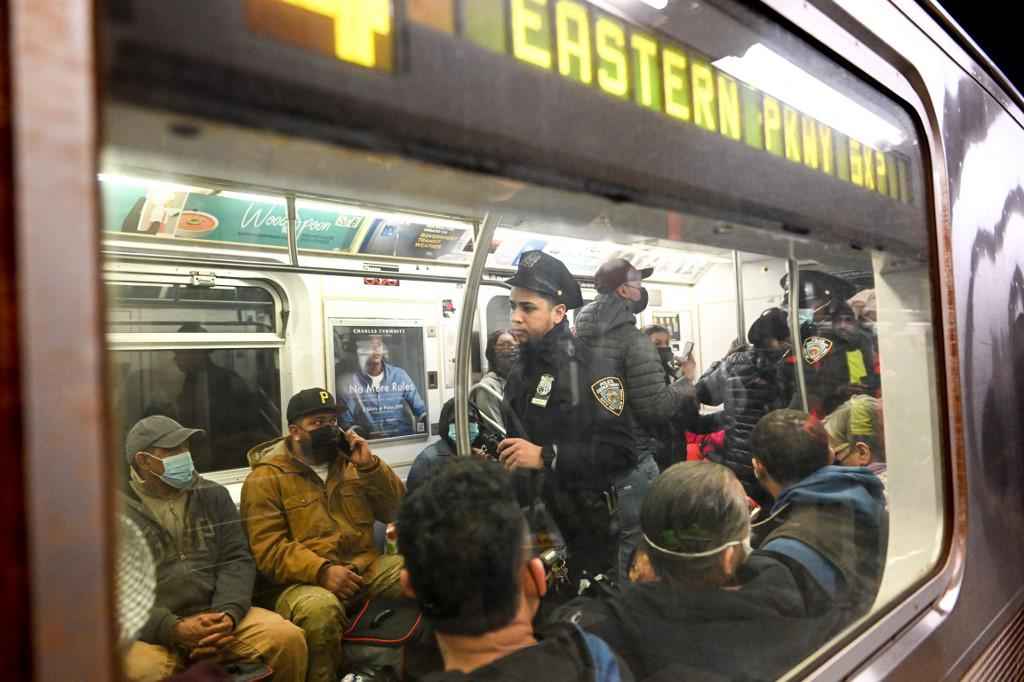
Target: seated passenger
x,y
830,519
469,566
856,435
713,609
502,352
433,457
751,383
313,541
204,572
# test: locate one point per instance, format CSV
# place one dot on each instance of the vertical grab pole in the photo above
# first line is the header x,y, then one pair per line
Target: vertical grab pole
x,y
794,323
741,322
293,245
463,358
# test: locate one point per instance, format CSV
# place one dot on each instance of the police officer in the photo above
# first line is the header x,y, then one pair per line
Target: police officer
x,y
838,357
567,415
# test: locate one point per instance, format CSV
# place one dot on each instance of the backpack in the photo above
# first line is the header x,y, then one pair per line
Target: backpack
x,y
606,663
375,641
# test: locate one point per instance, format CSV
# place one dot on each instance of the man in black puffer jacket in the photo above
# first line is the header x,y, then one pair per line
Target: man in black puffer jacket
x,y
608,327
751,382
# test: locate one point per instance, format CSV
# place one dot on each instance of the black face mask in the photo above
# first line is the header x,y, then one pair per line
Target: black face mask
x,y
324,444
505,361
667,357
641,305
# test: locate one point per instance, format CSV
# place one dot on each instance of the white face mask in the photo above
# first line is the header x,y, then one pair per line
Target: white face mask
x,y
745,543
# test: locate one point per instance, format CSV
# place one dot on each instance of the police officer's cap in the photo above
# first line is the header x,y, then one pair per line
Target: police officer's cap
x,y
818,286
548,276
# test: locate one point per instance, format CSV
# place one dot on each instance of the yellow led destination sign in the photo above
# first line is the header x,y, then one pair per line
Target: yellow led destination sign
x,y
355,31
581,43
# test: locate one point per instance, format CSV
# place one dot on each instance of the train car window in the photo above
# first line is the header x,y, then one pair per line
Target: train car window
x,y
232,394
182,308
743,469
201,352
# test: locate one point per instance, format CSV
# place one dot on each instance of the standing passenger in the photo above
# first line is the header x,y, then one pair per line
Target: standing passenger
x,y
751,383
204,572
676,367
313,542
502,352
608,327
567,414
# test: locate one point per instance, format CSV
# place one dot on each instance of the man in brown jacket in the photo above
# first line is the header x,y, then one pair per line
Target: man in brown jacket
x,y
313,541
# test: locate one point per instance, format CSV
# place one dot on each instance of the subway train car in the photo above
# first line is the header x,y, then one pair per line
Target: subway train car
x,y
215,204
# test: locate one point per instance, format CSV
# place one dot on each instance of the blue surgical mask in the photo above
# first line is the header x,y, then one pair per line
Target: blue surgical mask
x,y
474,432
805,315
178,470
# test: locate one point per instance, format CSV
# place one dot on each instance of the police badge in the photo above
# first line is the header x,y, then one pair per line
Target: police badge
x,y
610,392
816,348
540,398
530,259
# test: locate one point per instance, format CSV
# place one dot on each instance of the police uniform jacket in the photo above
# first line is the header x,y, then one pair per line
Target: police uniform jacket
x,y
832,364
571,401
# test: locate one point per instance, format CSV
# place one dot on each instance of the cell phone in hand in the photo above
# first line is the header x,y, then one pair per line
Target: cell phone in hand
x,y
687,349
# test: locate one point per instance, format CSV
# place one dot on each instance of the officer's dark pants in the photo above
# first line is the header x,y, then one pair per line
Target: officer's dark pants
x,y
589,525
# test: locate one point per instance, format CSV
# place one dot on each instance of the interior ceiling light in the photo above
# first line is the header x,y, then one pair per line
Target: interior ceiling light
x,y
771,73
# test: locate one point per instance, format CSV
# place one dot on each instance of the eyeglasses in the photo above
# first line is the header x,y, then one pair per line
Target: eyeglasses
x,y
840,455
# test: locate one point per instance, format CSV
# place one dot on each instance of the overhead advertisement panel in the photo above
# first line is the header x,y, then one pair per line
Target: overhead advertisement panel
x,y
139,206
160,209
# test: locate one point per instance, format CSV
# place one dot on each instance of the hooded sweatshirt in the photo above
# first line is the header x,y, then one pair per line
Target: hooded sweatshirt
x,y
839,514
669,631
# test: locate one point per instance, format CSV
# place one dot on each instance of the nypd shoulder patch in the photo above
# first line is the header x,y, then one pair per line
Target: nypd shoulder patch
x,y
610,393
816,348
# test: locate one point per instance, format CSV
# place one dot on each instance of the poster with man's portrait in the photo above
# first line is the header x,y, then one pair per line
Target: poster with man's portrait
x,y
380,378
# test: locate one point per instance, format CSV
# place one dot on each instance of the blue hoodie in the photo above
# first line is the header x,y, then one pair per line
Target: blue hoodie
x,y
834,523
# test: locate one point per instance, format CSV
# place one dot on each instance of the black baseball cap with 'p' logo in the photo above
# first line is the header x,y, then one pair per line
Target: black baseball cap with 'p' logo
x,y
310,401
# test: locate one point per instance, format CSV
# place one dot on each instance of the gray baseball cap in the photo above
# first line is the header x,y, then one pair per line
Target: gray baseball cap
x,y
157,431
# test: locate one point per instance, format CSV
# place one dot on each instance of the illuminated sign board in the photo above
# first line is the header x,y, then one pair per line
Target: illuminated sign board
x,y
579,42
139,206
359,32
